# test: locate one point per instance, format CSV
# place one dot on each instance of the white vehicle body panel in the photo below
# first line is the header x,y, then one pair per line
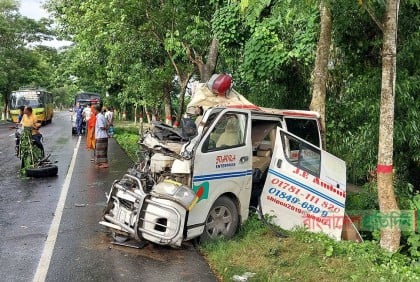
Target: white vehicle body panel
x,y
305,191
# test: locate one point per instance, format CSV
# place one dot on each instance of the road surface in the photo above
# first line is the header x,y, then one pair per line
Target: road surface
x,y
50,229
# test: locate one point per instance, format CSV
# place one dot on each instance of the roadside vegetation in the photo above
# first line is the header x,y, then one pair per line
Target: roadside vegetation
x,y
126,134
144,56
257,252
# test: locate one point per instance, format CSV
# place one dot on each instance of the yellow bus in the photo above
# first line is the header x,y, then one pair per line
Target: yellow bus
x,y
40,100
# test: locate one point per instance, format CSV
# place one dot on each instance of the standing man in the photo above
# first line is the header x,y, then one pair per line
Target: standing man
x,y
79,118
101,138
109,115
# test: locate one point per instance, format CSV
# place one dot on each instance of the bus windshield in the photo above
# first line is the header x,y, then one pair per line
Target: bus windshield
x,y
26,98
85,98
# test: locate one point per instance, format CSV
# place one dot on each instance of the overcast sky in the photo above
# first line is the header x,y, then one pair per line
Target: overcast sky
x,y
32,9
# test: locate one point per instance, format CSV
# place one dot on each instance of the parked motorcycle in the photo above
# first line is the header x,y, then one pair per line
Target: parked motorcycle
x,y
30,150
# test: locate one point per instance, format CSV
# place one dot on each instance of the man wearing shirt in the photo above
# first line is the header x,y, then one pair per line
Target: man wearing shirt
x,y
101,138
30,121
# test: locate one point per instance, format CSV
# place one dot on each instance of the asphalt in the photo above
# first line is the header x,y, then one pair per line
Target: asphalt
x,y
84,249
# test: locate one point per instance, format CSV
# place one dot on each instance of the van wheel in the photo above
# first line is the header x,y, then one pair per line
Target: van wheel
x,y
44,171
222,220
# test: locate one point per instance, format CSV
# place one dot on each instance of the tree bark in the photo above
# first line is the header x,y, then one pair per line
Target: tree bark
x,y
167,105
320,73
390,236
183,83
206,69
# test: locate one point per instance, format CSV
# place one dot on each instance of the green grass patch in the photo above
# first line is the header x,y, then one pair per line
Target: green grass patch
x,y
127,136
303,256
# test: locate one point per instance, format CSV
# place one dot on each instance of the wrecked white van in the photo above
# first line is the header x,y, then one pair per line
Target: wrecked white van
x,y
200,181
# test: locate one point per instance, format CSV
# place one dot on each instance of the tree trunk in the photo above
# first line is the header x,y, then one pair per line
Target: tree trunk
x,y
390,236
148,116
320,73
207,69
167,105
183,83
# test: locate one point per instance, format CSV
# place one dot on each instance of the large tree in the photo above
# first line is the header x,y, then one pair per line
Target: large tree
x,y
390,236
320,72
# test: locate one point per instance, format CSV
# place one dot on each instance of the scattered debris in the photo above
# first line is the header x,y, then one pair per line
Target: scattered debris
x,y
243,277
131,244
80,205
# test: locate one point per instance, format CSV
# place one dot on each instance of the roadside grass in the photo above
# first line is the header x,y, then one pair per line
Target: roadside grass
x,y
127,136
302,256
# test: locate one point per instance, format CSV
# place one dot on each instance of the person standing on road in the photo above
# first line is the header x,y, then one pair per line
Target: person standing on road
x,y
109,115
90,123
79,118
21,113
101,136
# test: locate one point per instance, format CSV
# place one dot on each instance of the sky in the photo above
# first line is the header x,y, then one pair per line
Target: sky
x,y
32,9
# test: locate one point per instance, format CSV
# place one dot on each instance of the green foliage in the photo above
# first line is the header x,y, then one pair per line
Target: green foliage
x,y
28,152
304,256
366,199
127,138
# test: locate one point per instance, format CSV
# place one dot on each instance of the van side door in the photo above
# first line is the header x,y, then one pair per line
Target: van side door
x,y
305,186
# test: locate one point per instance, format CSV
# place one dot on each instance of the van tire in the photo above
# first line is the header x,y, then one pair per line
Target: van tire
x,y
45,171
222,220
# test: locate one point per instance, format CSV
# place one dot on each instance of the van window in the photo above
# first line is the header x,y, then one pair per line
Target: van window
x,y
307,129
229,132
301,154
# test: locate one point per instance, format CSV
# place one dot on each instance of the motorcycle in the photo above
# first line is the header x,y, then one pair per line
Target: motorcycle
x,y
31,152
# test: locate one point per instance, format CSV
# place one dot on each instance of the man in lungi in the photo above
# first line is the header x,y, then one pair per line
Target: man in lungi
x,y
101,138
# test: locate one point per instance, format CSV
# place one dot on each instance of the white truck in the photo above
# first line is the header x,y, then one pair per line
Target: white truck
x,y
200,181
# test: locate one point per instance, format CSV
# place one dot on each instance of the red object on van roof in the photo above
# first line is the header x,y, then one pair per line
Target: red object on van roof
x,y
220,83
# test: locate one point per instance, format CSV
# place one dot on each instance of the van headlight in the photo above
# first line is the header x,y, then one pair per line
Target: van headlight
x,y
175,191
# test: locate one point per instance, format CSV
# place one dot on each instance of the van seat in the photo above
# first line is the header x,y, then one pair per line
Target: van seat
x,y
262,158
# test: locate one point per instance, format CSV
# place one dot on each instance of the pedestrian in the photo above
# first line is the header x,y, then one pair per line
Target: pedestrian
x,y
30,121
18,127
21,113
109,115
101,136
79,118
90,123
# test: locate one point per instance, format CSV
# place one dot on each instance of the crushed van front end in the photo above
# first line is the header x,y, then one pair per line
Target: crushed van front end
x,y
134,212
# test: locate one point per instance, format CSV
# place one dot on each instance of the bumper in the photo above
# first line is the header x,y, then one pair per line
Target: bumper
x,y
134,212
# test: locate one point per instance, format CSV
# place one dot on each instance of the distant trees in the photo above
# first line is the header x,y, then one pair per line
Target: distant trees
x,y
21,64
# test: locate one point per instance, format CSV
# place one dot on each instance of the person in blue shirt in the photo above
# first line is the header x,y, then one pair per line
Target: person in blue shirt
x,y
79,118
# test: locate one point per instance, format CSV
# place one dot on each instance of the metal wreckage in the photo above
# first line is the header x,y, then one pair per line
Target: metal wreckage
x,y
199,181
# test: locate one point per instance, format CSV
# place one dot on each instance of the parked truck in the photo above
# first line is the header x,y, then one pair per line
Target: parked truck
x,y
199,181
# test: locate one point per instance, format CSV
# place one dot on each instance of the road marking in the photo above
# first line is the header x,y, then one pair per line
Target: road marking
x,y
44,263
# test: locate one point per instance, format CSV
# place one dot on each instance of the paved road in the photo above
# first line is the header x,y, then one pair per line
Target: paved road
x,y
40,242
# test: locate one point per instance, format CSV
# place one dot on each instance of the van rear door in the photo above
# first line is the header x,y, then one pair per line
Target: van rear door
x,y
305,186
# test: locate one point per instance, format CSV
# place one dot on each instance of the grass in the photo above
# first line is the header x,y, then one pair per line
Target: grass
x,y
127,136
302,256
